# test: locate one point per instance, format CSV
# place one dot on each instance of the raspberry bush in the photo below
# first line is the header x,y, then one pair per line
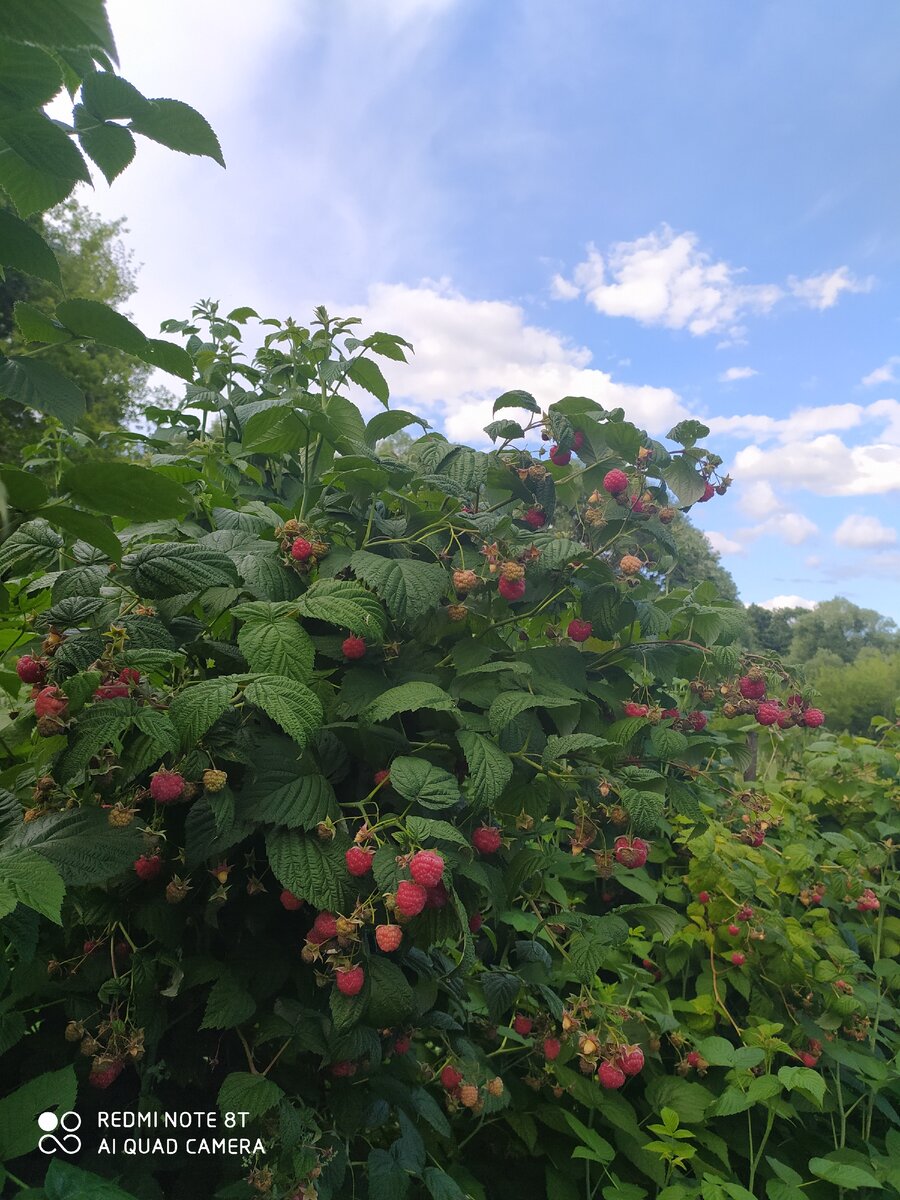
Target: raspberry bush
x,y
429,844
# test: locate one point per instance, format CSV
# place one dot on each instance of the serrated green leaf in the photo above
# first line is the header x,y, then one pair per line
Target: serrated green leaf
x,y
291,705
422,783
844,1175
572,744
278,796
35,384
127,490
277,646
389,997
198,707
409,588
253,1094
175,124
34,882
408,697
517,399
368,375
344,604
229,1003
23,248
163,569
19,1130
490,770
312,869
509,705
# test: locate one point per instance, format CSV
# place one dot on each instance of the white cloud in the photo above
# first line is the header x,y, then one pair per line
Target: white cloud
x,y
758,499
733,374
825,465
883,374
822,291
864,532
722,544
799,423
792,527
787,602
666,278
467,352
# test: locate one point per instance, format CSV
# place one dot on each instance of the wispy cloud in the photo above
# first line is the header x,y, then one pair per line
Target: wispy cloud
x,y
733,374
862,532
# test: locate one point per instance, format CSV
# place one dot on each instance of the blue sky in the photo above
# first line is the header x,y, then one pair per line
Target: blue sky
x,y
686,208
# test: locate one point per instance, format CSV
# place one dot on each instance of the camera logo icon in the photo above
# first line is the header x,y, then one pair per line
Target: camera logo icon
x,y
59,1132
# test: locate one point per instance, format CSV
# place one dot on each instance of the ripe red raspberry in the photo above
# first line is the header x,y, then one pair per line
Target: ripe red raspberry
x,y
402,1045
551,1048
324,926
738,958
301,549
350,980
475,922
111,691
631,709
450,1078
630,1059
734,930
388,937
751,689
610,1075
708,492
486,839
437,896
577,440
560,458
579,631
410,898
511,589
130,675
703,897
636,504
808,1059
290,901
670,714
90,946
50,702
630,852
745,913
381,777
868,902
353,647
359,861
31,670
768,712
697,720
105,1071
615,482
535,518
692,1058
343,1069
522,1025
427,868
166,786
147,867
813,718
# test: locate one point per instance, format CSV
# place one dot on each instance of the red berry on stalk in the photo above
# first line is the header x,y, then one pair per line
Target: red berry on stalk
x,y
738,958
692,1058
31,670
697,720
381,777
402,1045
50,702
630,1059
734,930
343,1069
130,675
745,913
808,1059
630,852
427,868
104,1072
560,458
111,691
522,1025
751,689
90,946
703,897
610,1076
813,718
615,482
450,1078
353,647
410,898
388,937
535,518
551,1048
147,867
631,709
290,901
359,861
511,589
708,492
325,926
577,440
301,549
166,786
768,712
350,980
486,839
475,922
579,631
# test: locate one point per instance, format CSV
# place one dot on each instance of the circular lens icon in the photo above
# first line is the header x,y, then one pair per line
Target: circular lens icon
x,y
48,1121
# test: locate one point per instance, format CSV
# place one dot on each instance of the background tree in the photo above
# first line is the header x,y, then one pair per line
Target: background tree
x,y
696,560
843,628
94,265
